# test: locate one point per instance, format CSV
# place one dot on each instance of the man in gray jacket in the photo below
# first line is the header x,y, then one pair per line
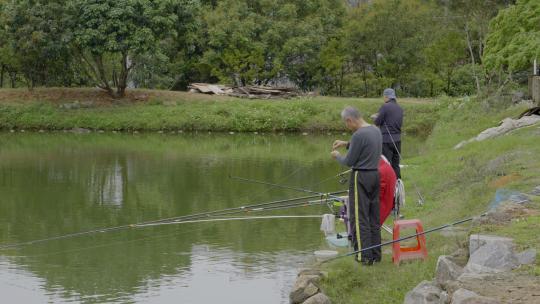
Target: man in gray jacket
x,y
364,153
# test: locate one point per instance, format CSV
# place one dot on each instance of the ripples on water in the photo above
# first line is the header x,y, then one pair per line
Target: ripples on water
x,y
57,184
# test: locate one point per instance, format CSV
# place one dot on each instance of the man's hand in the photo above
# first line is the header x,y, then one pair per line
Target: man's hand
x,y
338,144
374,116
335,154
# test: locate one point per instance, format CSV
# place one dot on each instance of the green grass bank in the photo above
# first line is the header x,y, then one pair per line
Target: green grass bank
x,y
145,110
456,184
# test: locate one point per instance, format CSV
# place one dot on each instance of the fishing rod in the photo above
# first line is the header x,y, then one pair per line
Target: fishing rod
x,y
242,218
403,238
274,205
255,181
420,197
247,208
260,209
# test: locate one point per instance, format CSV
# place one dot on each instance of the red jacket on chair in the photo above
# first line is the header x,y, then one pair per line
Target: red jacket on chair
x,y
388,186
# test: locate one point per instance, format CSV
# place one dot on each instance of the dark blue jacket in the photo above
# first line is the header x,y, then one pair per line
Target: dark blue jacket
x,y
390,120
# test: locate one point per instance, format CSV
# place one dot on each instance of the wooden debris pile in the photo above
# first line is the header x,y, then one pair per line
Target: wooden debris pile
x,y
260,92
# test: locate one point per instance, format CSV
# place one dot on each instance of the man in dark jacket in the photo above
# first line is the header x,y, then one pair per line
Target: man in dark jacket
x,y
389,120
363,157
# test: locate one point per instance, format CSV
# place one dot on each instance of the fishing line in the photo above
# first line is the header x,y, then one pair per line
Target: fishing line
x,y
113,243
211,221
340,175
281,180
286,187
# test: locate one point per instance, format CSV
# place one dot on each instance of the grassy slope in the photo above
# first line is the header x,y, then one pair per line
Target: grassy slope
x,y
163,110
455,184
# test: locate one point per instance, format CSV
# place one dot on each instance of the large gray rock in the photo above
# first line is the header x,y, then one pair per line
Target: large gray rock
x,y
526,257
492,257
464,296
304,287
424,293
319,298
478,240
507,125
447,270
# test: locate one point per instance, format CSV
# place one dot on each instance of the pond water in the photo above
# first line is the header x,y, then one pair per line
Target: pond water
x,y
55,184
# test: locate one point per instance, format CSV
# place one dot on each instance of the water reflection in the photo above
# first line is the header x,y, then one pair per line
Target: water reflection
x,y
107,185
57,184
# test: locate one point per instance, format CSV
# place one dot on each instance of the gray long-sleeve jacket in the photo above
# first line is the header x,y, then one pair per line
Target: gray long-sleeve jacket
x,y
365,149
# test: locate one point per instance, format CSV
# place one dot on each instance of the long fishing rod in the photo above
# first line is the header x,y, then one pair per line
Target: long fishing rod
x,y
260,209
274,205
242,218
246,208
402,239
255,181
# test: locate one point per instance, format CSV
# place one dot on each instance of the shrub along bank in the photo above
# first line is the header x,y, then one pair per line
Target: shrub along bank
x,y
173,111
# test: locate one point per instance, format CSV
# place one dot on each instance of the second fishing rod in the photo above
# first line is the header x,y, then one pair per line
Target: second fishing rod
x,y
298,189
267,206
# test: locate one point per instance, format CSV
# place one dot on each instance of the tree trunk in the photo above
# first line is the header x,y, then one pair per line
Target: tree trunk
x,y
123,76
341,76
448,79
103,77
2,76
365,80
469,45
13,78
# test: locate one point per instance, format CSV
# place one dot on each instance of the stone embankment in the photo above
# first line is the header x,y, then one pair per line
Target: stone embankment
x,y
306,290
483,273
485,278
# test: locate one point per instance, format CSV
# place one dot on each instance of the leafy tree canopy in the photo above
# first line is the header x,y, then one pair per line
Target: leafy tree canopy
x,y
514,38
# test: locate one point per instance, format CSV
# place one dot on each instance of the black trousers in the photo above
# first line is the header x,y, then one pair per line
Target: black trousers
x,y
392,155
364,194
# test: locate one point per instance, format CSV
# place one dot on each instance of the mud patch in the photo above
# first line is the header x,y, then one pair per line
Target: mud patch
x,y
505,180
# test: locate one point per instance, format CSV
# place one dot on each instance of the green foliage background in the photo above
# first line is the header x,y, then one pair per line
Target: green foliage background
x,y
421,48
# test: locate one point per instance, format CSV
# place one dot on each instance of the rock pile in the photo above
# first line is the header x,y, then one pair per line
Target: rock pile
x,y
306,289
507,125
491,258
259,92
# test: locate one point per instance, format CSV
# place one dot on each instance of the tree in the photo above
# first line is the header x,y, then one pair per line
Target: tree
x,y
36,42
386,40
473,18
514,38
334,66
445,55
109,35
176,63
261,41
